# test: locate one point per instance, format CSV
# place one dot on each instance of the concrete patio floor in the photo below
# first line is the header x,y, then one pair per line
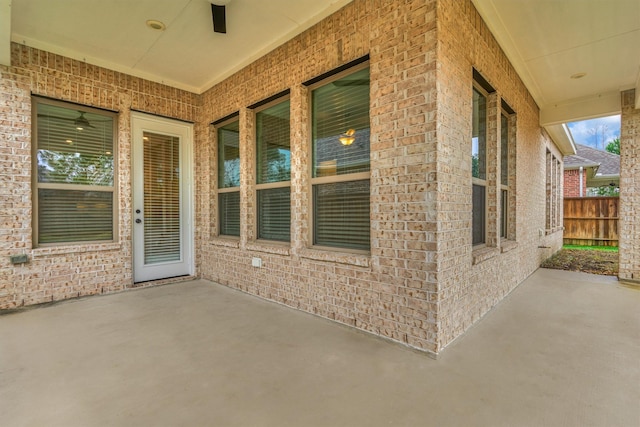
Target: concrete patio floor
x,y
562,350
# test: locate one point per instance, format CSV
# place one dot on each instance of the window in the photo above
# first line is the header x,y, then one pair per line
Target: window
x,y
507,151
504,175
75,173
229,178
340,171
554,194
273,176
479,167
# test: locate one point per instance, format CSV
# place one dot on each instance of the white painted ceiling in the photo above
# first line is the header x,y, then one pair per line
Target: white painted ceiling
x,y
546,40
550,40
187,55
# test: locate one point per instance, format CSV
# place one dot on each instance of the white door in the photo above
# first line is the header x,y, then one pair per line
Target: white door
x,y
162,198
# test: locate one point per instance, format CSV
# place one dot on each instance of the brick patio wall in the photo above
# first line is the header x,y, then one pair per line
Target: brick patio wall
x,y
572,183
628,229
57,273
471,281
421,285
392,292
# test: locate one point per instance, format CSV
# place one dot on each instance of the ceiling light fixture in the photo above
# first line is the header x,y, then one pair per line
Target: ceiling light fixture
x,y
81,122
347,138
156,25
577,76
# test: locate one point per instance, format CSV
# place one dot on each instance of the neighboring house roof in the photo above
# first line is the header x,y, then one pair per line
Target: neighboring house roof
x,y
577,162
603,168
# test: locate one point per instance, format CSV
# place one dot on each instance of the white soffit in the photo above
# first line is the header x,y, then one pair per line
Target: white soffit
x,y
549,41
186,55
591,107
562,137
5,32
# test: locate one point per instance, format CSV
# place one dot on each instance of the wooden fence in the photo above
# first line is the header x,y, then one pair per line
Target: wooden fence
x,y
591,221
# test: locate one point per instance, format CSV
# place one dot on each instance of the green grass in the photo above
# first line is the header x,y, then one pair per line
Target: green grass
x,y
592,248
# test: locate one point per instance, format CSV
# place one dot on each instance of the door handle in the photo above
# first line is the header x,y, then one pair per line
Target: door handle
x,y
138,221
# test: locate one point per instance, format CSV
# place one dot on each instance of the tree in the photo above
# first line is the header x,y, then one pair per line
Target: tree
x,y
610,191
74,168
614,146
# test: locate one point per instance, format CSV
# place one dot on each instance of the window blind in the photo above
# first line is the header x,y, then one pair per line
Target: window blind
x,y
341,147
478,217
504,206
504,174
229,213
341,214
229,177
79,216
161,198
504,150
75,173
274,214
273,172
273,144
340,107
229,155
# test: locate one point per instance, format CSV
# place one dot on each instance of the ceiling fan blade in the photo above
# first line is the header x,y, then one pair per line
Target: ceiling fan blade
x,y
219,18
77,121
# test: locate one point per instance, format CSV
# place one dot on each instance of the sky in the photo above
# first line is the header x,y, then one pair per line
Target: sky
x,y
596,133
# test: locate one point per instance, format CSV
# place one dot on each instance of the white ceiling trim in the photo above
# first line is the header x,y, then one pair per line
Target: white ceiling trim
x,y
61,50
5,32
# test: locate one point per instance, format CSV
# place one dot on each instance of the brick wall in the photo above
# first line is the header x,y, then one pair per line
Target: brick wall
x,y
572,183
392,291
422,283
628,230
471,281
67,271
419,285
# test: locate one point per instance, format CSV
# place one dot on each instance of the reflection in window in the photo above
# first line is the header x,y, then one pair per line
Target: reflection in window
x,y
273,155
229,179
479,166
75,173
341,162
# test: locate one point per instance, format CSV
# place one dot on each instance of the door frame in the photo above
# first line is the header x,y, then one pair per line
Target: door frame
x,y
141,122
